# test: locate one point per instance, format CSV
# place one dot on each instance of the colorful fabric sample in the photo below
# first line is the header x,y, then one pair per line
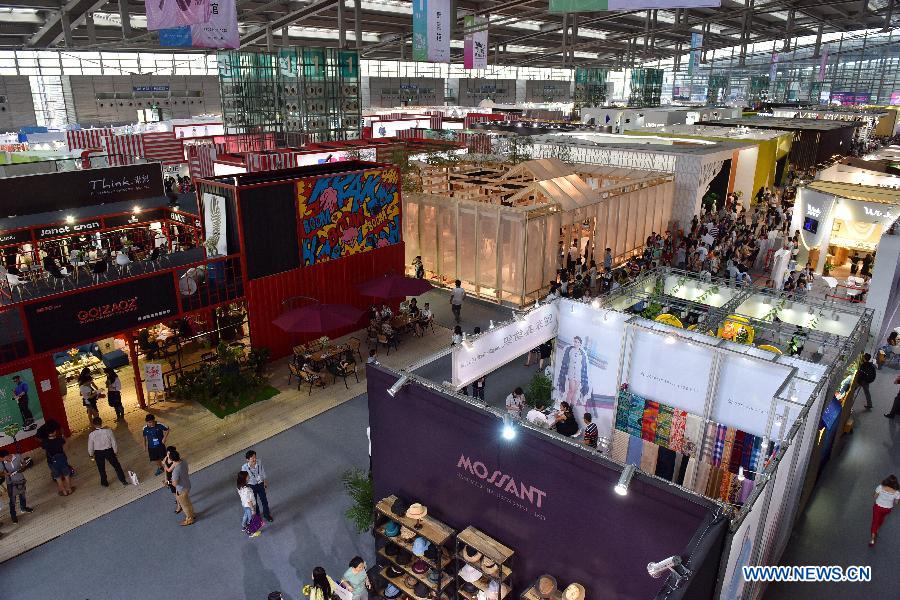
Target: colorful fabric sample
x,y
727,446
737,451
664,425
648,424
719,445
618,449
635,447
708,444
676,437
693,430
635,415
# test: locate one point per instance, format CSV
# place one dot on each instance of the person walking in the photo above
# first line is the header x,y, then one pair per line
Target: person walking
x,y
155,436
886,496
258,483
60,469
895,407
322,585
182,482
865,375
247,501
90,393
168,465
103,448
456,300
15,482
114,392
20,391
356,580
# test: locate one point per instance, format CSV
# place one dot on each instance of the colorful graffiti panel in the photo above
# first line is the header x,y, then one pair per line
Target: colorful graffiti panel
x,y
348,213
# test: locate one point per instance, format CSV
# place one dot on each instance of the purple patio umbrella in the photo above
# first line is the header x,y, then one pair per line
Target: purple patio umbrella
x,y
318,318
393,286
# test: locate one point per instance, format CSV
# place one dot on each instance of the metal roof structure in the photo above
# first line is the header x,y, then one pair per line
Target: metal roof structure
x,y
522,32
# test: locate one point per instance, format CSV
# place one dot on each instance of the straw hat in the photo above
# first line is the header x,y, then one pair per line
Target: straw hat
x,y
471,555
546,586
416,511
574,591
407,534
489,567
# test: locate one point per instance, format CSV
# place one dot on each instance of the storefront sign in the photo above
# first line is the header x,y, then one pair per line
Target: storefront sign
x,y
99,312
496,347
183,219
813,211
8,238
347,214
146,216
34,194
19,405
215,226
63,230
153,377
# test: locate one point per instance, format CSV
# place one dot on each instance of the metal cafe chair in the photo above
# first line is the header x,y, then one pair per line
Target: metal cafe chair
x,y
59,276
100,268
123,263
16,284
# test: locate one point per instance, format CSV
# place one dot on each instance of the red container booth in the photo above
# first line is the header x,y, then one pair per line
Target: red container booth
x,y
312,231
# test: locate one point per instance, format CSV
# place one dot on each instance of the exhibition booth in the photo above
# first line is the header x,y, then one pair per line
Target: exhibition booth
x,y
696,413
754,169
848,173
500,228
700,166
620,120
842,220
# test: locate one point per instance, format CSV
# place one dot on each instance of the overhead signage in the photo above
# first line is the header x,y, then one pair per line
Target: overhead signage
x,y
476,41
221,30
174,37
576,6
496,347
146,216
165,14
34,194
432,26
696,48
66,321
8,238
150,88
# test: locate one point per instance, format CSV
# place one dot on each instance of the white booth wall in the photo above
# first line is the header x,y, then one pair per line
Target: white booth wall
x,y
509,254
848,174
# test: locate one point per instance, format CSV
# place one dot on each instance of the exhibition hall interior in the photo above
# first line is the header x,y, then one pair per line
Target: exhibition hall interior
x,y
611,288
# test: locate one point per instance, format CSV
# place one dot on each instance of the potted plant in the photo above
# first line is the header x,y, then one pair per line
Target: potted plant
x,y
826,270
361,512
539,390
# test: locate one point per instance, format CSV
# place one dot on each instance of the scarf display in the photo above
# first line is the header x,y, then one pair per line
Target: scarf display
x,y
678,446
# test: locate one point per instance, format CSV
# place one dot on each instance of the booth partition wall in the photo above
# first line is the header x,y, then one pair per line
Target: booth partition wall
x,y
509,250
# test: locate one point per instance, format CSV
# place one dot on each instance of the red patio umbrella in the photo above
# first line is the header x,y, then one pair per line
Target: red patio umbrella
x,y
318,318
393,286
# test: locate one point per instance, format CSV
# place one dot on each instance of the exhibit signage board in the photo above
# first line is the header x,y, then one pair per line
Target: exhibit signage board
x,y
586,361
19,405
746,392
33,194
215,224
101,311
496,347
432,24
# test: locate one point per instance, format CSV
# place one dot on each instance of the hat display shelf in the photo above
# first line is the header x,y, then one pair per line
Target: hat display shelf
x,y
420,554
484,566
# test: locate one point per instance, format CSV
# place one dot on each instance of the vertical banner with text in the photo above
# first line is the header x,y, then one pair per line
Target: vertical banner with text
x,y
773,68
823,62
420,31
476,41
221,31
165,14
440,25
696,47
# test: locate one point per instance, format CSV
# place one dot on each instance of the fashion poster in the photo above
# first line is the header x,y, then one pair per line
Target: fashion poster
x,y
19,405
586,362
348,214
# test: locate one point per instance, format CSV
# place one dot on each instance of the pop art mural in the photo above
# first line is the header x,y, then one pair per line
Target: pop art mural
x,y
348,214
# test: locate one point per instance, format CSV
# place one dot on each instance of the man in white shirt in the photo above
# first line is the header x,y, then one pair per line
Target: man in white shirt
x,y
536,417
102,447
456,299
257,482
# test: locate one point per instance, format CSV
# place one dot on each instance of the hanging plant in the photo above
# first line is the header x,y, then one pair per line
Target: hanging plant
x,y
701,299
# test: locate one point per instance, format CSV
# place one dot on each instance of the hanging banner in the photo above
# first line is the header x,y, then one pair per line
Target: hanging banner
x,y
696,47
420,31
823,62
165,14
773,68
574,6
175,37
476,41
440,24
221,31
214,225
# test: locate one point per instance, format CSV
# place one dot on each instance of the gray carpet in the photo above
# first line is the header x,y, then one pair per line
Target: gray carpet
x,y
834,530
139,552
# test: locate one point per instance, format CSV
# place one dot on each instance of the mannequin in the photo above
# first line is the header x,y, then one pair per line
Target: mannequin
x,y
779,266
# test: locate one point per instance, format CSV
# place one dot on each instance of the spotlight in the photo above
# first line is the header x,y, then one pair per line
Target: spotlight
x,y
595,303
624,480
509,431
70,219
671,564
741,474
392,391
670,339
136,210
491,326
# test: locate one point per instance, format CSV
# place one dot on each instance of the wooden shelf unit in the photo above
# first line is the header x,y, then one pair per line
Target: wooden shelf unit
x,y
531,594
490,549
436,532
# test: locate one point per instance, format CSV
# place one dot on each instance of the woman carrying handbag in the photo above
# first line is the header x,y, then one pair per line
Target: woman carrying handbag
x,y
250,522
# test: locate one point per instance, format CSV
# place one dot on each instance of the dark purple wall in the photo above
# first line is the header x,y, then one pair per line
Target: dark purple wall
x,y
573,526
